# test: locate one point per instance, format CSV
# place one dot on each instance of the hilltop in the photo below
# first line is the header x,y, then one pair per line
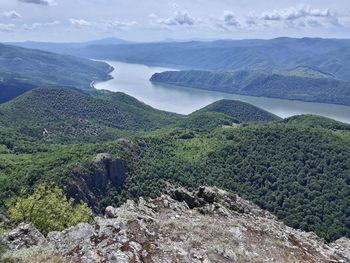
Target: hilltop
x,y
241,111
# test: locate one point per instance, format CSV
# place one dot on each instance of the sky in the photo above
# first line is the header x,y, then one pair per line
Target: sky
x,y
158,20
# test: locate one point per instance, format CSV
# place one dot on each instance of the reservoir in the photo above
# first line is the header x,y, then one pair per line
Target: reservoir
x,y
133,79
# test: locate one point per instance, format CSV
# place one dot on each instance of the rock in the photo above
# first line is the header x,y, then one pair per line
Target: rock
x,y
111,212
24,236
182,195
210,225
208,194
342,246
87,185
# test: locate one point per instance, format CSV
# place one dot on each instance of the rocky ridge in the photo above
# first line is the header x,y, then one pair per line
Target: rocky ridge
x,y
210,225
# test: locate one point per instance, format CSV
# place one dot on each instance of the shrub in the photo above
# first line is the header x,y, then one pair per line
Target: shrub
x,y
48,209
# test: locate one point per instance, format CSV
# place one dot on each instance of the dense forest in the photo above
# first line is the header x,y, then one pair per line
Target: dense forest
x,y
297,168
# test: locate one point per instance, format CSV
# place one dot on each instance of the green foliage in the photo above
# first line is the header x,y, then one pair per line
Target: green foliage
x,y
63,114
48,209
241,111
205,121
300,174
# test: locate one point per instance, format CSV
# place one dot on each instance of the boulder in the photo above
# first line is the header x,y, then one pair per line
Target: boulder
x,y
182,195
24,236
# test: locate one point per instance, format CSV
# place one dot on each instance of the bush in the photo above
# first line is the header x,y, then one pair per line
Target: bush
x,y
48,209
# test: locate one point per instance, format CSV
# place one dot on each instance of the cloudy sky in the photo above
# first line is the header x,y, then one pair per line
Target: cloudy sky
x,y
152,20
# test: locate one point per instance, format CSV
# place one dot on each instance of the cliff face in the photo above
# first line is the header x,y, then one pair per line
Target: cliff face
x,y
208,226
90,185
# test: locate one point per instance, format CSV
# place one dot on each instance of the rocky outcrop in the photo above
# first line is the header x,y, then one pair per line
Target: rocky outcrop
x,y
107,169
89,185
210,225
24,236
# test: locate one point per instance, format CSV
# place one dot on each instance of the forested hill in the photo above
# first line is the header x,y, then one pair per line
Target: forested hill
x,y
71,114
301,83
329,55
243,112
23,69
75,116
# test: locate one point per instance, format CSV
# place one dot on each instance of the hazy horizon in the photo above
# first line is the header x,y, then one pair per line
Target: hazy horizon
x,y
78,20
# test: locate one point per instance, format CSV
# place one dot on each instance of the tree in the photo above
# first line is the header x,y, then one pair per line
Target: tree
x,y
48,209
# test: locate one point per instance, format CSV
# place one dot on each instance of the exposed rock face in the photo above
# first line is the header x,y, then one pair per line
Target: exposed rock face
x,y
24,236
208,226
105,172
108,169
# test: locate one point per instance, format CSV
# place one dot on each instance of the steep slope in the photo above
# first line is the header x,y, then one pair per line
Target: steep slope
x,y
70,113
22,69
209,226
241,111
297,84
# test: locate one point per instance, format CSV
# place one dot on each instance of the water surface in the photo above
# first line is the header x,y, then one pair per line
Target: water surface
x,y
133,79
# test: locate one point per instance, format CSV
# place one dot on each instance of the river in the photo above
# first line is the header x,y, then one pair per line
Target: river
x,y
133,79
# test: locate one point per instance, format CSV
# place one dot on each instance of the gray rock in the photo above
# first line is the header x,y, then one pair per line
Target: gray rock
x,y
208,226
24,236
78,238
111,212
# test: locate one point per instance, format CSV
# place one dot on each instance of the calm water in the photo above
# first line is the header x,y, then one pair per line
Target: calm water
x,y
133,79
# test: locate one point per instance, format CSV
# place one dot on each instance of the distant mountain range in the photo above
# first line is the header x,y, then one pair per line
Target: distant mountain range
x,y
67,47
328,55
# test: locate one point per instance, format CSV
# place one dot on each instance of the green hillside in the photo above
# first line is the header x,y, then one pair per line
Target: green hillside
x,y
296,84
23,69
72,115
241,111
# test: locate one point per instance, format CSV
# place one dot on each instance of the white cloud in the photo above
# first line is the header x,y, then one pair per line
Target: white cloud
x,y
79,22
301,16
39,2
180,18
35,26
230,19
11,14
7,28
293,13
118,25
